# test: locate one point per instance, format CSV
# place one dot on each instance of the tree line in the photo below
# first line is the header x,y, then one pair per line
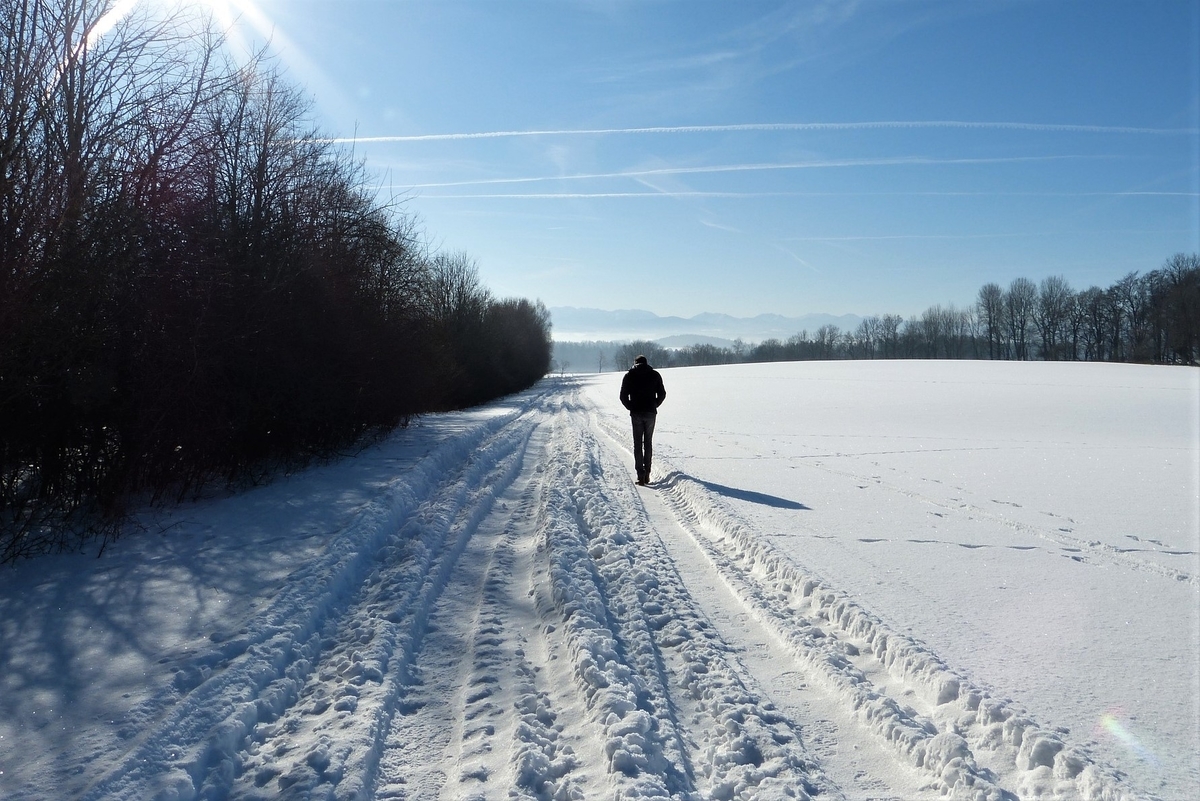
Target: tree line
x,y
198,286
1151,318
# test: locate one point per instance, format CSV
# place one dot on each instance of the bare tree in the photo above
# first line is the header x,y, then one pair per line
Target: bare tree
x,y
453,289
826,340
656,354
1176,300
867,336
1132,297
1096,311
990,305
1076,321
889,335
959,326
1051,313
931,331
1019,303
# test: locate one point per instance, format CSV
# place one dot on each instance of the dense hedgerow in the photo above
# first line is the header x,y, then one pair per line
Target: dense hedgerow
x,y
196,286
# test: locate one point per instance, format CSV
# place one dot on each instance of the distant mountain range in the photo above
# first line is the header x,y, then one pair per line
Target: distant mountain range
x,y
573,324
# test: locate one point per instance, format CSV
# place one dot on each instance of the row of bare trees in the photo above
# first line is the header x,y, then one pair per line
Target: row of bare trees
x,y
1150,318
1141,318
195,285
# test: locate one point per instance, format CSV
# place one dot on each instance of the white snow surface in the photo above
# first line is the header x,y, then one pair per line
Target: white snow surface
x,y
849,580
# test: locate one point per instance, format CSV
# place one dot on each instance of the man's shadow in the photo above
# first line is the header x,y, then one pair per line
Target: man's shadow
x,y
739,494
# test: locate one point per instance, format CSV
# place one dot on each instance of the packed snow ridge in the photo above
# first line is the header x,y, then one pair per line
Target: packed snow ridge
x,y
490,608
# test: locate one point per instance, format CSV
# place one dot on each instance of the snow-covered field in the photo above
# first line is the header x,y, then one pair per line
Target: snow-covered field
x,y
850,580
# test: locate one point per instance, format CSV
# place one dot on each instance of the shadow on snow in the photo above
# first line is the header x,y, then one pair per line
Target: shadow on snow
x,y
733,492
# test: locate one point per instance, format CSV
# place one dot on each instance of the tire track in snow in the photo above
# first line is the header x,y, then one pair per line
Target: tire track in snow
x,y
615,666
850,650
505,734
507,618
359,682
212,737
852,758
636,631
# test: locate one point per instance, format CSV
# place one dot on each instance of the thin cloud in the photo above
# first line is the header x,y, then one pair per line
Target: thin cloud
x,y
890,237
690,193
1010,235
781,126
758,167
557,195
797,258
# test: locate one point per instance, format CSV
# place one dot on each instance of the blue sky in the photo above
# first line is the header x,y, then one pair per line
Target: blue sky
x,y
782,157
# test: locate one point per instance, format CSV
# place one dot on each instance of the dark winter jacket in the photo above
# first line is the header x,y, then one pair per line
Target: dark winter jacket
x,y
642,389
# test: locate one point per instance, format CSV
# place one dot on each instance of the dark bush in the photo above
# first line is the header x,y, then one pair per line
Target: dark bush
x,y
194,284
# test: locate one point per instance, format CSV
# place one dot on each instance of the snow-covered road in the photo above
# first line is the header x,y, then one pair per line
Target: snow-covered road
x,y
487,607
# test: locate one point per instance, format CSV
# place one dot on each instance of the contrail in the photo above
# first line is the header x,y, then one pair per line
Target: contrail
x,y
1019,235
780,126
108,21
898,161
690,193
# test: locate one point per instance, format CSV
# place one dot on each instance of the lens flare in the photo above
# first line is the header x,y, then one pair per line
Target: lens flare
x,y
1111,724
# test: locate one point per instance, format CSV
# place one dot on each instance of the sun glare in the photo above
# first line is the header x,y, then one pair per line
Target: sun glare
x,y
105,24
225,13
241,21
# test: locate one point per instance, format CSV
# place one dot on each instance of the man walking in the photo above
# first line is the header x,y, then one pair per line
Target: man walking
x,y
642,393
